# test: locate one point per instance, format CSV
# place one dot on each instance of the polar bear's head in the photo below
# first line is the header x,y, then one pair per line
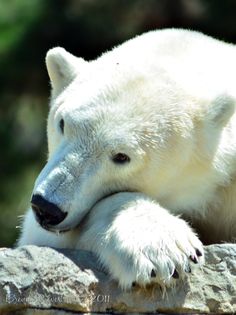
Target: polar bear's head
x,y
117,125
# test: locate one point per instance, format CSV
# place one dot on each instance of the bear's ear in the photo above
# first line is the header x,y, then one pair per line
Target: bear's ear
x,y
221,110
62,68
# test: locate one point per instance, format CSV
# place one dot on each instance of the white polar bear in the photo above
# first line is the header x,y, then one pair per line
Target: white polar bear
x,y
137,137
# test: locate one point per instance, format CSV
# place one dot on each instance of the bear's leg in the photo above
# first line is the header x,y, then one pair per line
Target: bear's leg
x,y
138,241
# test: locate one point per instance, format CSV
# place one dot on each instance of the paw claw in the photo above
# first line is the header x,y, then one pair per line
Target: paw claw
x,y
175,274
198,252
194,259
153,274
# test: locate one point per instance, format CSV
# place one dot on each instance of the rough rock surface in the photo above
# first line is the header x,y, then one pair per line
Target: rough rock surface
x,y
34,278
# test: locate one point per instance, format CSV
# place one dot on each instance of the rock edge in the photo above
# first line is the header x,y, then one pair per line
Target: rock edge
x,y
34,277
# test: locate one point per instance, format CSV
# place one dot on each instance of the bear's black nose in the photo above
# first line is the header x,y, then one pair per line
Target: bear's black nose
x,y
46,213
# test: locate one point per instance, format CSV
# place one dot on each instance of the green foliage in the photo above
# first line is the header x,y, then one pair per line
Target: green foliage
x,y
16,16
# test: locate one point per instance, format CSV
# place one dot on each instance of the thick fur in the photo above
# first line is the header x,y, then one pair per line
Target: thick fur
x,y
167,100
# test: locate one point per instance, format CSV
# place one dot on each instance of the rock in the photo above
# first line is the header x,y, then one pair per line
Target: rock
x,y
40,278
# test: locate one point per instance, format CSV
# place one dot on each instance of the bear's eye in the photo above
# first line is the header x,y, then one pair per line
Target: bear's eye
x,y
120,158
61,125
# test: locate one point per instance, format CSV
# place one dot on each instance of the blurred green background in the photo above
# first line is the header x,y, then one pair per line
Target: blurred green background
x,y
28,28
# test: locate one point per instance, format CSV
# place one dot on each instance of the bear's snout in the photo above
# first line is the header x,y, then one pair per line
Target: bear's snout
x,y
47,213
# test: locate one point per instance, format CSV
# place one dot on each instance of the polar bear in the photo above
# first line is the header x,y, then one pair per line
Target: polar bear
x,y
142,153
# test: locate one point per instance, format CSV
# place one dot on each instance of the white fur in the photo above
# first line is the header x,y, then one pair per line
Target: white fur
x,y
167,100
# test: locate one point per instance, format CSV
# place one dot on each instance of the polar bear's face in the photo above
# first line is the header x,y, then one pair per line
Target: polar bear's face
x,y
112,128
90,156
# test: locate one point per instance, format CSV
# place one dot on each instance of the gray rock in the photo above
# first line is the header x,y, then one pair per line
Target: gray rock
x,y
37,278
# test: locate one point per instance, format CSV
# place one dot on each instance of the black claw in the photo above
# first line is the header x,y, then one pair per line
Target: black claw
x,y
153,274
133,284
199,254
194,259
188,269
175,274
